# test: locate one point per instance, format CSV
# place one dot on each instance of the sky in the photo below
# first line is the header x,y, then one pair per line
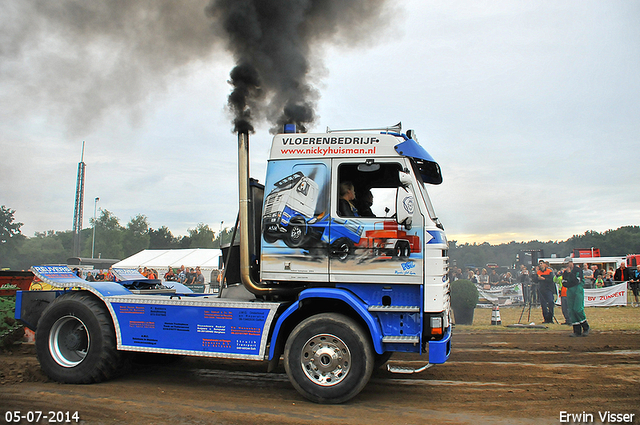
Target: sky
x,y
532,110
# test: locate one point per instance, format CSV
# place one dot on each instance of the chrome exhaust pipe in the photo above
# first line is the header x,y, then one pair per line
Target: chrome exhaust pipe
x,y
246,229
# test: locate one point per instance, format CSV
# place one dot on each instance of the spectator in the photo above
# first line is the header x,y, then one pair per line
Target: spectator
x,y
635,285
483,279
506,279
494,279
546,291
199,279
472,277
182,275
563,297
588,275
574,281
608,279
190,277
621,274
90,277
170,275
599,282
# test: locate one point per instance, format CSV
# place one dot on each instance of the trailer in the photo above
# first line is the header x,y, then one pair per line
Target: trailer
x,y
304,289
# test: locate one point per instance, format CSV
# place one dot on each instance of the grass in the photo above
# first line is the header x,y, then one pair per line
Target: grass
x,y
599,318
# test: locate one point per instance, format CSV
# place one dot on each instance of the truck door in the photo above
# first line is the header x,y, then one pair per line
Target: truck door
x,y
366,242
295,221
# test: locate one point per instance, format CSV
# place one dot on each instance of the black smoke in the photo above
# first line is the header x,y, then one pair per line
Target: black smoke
x,y
276,42
83,60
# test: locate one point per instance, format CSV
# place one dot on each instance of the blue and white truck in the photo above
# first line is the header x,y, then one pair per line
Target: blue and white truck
x,y
330,308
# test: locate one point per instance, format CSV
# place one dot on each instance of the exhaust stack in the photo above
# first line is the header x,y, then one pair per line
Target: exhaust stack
x,y
246,229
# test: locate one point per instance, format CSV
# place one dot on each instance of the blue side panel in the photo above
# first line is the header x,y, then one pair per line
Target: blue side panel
x,y
338,294
183,327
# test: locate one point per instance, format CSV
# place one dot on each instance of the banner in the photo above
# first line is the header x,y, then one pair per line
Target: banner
x,y
605,297
502,295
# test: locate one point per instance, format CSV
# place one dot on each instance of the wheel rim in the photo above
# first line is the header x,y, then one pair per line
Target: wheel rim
x,y
342,250
326,360
296,233
68,341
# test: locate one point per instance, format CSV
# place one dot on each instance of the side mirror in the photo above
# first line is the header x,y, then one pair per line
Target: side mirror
x,y
404,207
405,178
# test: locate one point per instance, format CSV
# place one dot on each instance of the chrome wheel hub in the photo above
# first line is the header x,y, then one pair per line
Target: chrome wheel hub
x,y
325,359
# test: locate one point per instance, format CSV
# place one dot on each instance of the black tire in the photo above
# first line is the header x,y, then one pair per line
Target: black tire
x,y
342,248
328,358
405,249
397,250
76,341
269,238
296,235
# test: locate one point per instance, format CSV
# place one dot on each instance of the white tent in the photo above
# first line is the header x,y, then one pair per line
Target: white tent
x,y
160,259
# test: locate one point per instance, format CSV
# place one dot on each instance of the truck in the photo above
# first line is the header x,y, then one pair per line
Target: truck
x,y
311,291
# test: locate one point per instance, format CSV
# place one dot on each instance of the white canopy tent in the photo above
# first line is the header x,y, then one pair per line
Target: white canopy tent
x,y
160,259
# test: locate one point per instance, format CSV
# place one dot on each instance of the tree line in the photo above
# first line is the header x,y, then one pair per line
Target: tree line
x,y
612,243
113,240
116,241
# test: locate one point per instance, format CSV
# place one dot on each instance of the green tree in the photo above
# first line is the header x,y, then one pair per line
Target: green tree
x,y
201,237
10,237
136,236
109,235
43,248
162,239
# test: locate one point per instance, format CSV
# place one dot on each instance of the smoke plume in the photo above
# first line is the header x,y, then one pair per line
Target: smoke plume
x,y
272,42
79,60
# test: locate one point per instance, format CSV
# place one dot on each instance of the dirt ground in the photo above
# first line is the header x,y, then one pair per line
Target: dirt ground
x,y
497,377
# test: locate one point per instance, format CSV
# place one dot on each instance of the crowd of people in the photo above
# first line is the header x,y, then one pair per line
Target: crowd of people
x,y
184,275
542,285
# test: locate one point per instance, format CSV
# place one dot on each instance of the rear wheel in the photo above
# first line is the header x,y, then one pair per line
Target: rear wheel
x,y
76,342
342,248
328,358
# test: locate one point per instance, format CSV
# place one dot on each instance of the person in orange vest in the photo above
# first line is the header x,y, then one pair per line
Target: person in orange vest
x,y
563,297
546,291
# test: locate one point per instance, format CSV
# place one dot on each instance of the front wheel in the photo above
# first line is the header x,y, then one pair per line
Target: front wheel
x,y
296,234
328,358
76,341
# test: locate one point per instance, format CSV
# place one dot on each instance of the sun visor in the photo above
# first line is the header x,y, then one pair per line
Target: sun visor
x,y
429,168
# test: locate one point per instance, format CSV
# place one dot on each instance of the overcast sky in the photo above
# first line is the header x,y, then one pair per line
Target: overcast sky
x,y
532,110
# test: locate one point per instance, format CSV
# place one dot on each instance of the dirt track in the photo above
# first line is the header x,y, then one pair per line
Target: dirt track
x,y
500,377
